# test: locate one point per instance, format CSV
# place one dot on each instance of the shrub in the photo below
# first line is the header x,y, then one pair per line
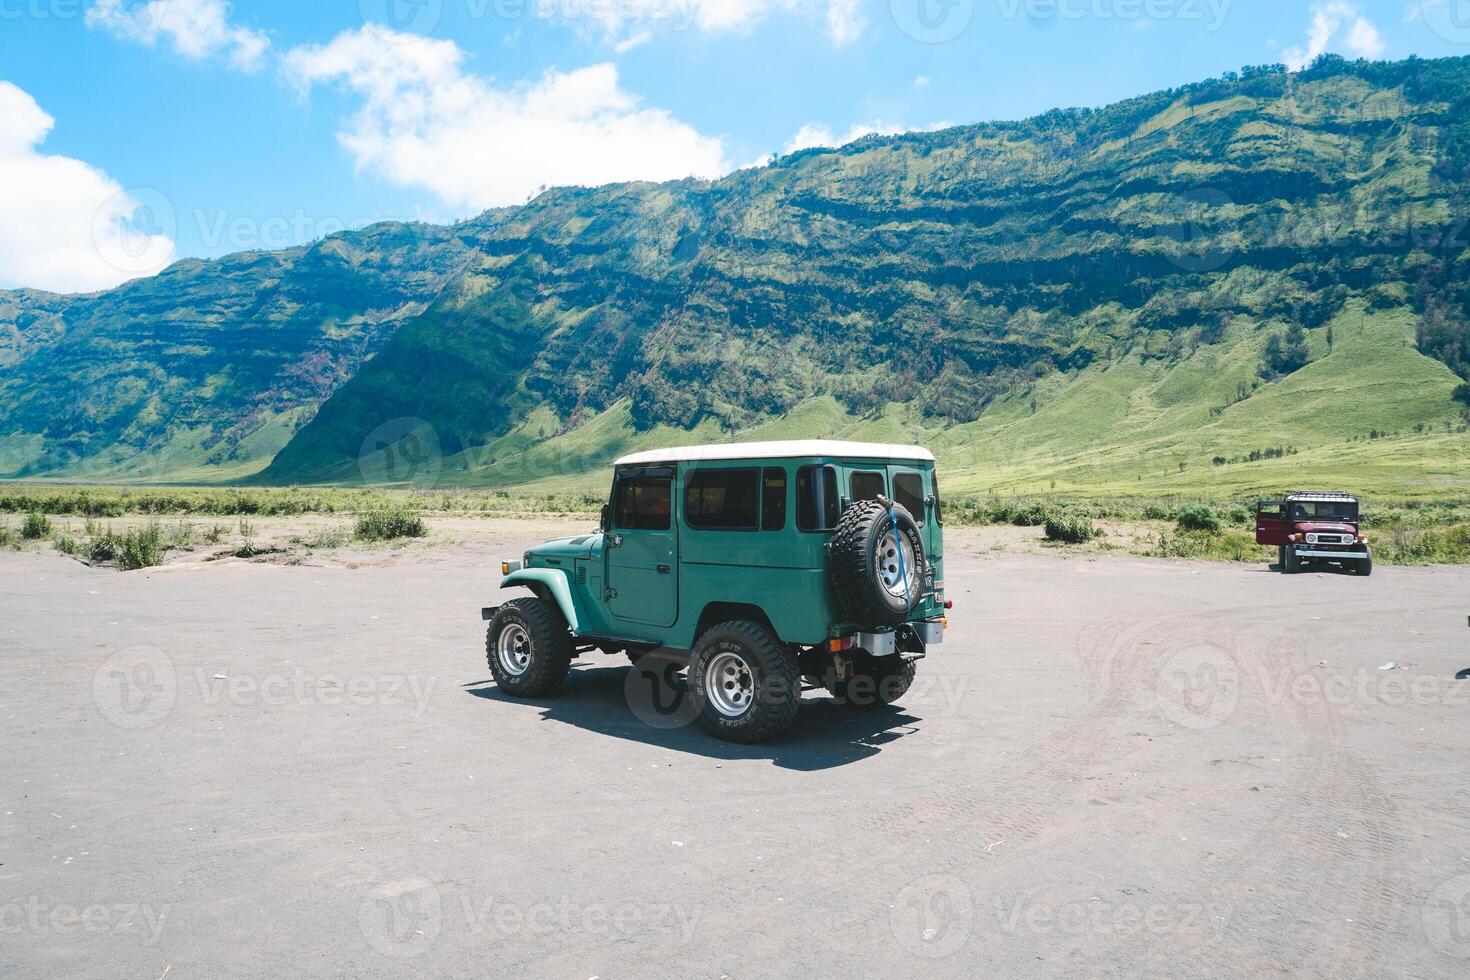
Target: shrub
x,y
1238,515
1157,512
35,527
140,548
388,525
67,545
1070,529
1197,517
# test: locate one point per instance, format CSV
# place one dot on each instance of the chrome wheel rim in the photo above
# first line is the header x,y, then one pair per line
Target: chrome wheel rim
x,y
890,548
513,649
729,685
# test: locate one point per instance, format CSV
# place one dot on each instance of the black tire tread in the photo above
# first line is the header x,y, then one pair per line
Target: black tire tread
x,y
849,567
773,717
879,669
551,646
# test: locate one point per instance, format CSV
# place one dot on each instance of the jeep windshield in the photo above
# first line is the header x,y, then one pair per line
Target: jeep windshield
x,y
1323,510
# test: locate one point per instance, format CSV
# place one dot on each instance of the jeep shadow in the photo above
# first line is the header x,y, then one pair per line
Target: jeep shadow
x,y
632,704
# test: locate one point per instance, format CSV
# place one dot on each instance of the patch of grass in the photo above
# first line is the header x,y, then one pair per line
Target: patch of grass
x,y
1197,517
140,548
67,545
1070,528
181,536
1225,545
215,532
35,527
390,525
8,537
1414,546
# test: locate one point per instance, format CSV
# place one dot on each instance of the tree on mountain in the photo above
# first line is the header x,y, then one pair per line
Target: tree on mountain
x,y
1285,353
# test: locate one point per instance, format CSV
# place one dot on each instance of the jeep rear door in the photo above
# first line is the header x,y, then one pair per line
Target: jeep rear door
x,y
1272,527
642,578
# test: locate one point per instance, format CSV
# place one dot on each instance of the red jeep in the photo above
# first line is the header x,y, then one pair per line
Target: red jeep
x,y
1314,527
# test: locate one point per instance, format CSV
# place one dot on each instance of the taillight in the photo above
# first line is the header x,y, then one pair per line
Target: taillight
x,y
949,604
840,643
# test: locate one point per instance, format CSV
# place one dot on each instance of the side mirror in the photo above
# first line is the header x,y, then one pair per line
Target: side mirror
x,y
604,523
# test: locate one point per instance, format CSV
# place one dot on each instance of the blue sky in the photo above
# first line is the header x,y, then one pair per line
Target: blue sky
x,y
201,127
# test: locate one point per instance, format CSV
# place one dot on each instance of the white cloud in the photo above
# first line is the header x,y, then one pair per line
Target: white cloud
x,y
843,19
816,134
921,82
427,122
65,226
198,29
1334,23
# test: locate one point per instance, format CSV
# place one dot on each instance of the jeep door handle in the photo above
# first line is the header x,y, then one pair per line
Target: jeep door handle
x,y
664,569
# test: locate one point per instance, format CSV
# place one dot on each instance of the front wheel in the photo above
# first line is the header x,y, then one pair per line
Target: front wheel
x,y
1365,567
1292,564
528,648
744,683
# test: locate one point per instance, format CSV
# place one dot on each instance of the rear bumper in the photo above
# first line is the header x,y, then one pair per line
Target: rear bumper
x,y
1335,555
913,639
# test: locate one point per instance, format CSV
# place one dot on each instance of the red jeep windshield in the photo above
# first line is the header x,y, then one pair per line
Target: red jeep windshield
x,y
1323,510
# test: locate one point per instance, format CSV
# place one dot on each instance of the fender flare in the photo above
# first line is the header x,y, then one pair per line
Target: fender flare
x,y
554,581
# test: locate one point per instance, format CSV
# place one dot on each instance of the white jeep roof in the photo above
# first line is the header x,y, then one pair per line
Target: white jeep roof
x,y
778,450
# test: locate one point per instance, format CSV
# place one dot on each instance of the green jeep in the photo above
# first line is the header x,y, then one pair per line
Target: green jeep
x,y
757,565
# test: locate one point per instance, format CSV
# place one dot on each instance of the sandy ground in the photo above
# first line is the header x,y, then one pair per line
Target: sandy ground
x,y
1114,766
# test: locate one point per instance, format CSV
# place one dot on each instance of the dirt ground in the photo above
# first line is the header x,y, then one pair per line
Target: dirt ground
x,y
1113,767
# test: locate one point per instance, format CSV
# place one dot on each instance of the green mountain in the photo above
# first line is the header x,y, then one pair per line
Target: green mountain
x,y
1257,280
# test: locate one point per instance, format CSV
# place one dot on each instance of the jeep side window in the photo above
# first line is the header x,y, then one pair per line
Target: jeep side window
x,y
938,505
773,500
644,503
908,492
721,500
866,486
817,506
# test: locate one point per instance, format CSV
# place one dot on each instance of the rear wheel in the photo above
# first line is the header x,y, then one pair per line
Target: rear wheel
x,y
744,683
528,648
873,682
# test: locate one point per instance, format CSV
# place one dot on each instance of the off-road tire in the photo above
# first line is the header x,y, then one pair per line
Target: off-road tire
x,y
854,562
1364,567
1281,557
1291,564
876,682
775,682
550,648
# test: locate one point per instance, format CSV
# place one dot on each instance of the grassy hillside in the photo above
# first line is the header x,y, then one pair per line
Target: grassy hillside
x,y
1250,282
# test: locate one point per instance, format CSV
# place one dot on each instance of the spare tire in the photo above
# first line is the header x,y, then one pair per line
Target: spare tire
x,y
876,559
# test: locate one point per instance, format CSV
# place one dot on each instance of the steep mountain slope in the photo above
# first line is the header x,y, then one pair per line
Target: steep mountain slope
x,y
1143,253
207,368
1083,299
